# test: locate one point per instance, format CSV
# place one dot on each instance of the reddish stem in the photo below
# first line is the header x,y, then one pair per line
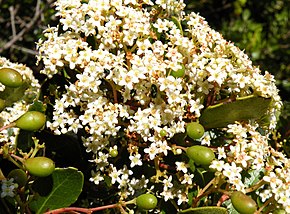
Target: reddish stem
x,y
7,126
83,210
222,199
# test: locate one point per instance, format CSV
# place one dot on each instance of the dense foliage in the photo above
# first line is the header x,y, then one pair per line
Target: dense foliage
x,y
138,106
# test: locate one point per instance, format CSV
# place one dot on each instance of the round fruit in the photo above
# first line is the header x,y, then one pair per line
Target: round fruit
x,y
10,77
194,130
114,153
39,166
163,133
201,155
31,121
178,73
243,203
146,201
2,104
19,176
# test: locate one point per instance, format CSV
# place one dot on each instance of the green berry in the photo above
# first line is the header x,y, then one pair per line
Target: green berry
x,y
178,73
39,166
19,177
163,133
243,203
201,155
114,153
146,201
31,121
194,130
10,77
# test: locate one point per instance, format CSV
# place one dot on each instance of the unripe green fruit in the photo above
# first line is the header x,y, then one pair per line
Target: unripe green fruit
x,y
243,203
31,121
194,130
114,153
146,201
10,77
178,73
201,155
163,133
2,104
39,166
19,176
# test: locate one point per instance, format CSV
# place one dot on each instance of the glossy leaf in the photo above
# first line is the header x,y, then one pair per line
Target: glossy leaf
x,y
66,187
242,109
11,95
37,106
24,140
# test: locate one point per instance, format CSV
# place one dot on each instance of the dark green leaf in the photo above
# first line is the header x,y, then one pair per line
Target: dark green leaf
x,y
37,106
242,109
67,185
24,140
11,95
190,198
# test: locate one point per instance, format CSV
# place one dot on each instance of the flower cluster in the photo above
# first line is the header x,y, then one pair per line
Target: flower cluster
x,y
137,72
250,153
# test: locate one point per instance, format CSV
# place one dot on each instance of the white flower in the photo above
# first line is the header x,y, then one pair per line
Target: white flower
x,y
221,153
8,188
114,174
167,194
195,106
187,179
135,160
97,177
167,183
152,150
217,164
182,197
232,171
181,166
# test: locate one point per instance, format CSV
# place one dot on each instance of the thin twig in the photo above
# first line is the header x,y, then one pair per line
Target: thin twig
x,y
12,17
26,50
83,210
28,26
